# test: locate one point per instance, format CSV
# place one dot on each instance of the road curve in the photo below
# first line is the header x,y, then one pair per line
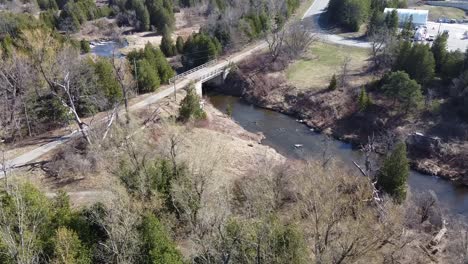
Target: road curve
x,y
311,18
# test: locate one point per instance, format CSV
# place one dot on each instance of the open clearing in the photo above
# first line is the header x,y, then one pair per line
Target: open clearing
x,y
321,62
436,12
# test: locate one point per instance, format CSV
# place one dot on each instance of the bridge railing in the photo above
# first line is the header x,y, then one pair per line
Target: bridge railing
x,y
209,75
182,75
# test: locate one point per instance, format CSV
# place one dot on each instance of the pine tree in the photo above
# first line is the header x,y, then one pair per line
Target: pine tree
x,y
180,45
439,49
333,83
107,81
157,246
167,45
391,20
190,107
394,173
148,79
402,89
142,15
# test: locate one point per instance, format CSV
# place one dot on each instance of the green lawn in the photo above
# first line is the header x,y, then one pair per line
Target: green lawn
x,y
322,61
436,12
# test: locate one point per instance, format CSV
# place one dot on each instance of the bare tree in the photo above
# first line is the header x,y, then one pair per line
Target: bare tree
x,y
383,43
125,79
298,39
344,74
21,222
119,220
16,81
338,216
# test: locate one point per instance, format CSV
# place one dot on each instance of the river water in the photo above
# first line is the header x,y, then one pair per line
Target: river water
x,y
107,48
282,132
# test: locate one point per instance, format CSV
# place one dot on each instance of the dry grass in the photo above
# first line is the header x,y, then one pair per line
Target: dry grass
x,y
321,62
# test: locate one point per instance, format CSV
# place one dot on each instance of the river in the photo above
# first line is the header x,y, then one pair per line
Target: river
x,y
282,132
107,48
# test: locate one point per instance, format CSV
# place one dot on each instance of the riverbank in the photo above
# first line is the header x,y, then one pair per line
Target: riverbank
x,y
336,113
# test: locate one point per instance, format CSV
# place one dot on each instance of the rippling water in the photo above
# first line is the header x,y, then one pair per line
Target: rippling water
x,y
282,132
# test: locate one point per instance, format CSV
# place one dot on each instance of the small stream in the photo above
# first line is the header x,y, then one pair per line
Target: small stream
x,y
282,132
107,48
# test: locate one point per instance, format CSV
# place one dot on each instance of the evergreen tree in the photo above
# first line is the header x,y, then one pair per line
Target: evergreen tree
x,y
190,107
364,100
84,46
142,15
439,49
167,45
157,246
154,70
107,81
394,173
333,83
452,66
350,14
401,88
180,45
148,79
161,14
199,49
391,20
407,31
376,22
416,60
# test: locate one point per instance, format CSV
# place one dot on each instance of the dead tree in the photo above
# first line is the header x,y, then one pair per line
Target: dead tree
x,y
297,40
345,72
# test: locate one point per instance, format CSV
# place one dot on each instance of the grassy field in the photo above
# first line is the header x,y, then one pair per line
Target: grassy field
x,y
435,12
323,60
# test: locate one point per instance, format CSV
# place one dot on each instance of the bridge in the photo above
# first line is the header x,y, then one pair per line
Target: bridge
x,y
203,73
219,72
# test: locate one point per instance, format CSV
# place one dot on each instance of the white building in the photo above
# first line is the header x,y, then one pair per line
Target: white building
x,y
419,16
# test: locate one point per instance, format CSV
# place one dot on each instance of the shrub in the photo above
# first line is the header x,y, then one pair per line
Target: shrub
x,y
190,107
84,46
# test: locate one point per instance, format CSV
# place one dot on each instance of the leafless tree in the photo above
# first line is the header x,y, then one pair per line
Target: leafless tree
x,y
344,74
119,220
16,81
338,215
275,40
298,39
122,72
20,226
383,46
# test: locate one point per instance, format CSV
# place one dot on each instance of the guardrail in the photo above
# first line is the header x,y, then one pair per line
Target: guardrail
x,y
209,75
182,75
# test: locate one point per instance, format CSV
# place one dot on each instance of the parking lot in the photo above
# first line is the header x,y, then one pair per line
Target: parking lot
x,y
457,39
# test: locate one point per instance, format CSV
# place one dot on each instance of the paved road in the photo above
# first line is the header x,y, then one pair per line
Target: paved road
x,y
311,18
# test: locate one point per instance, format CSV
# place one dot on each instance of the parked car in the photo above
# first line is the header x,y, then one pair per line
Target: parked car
x,y
453,21
430,38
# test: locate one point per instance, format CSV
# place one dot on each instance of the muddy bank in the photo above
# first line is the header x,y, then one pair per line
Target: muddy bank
x,y
335,113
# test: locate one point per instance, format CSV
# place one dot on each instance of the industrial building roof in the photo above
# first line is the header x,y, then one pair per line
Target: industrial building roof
x,y
419,16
